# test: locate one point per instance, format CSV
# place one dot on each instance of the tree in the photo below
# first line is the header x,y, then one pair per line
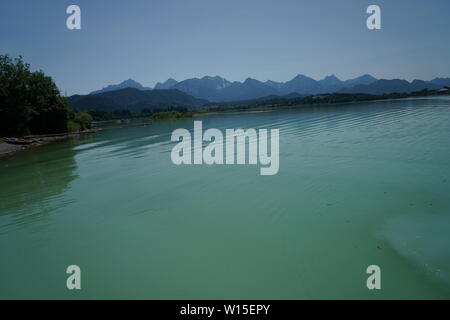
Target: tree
x,y
49,111
15,110
79,121
30,102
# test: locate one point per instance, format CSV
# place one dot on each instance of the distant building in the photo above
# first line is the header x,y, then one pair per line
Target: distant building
x,y
445,89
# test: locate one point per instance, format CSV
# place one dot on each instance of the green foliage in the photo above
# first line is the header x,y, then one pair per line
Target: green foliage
x,y
79,121
73,126
15,110
135,100
170,115
155,114
101,115
30,102
49,111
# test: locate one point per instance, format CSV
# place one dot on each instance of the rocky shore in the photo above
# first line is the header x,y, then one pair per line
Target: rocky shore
x,y
8,149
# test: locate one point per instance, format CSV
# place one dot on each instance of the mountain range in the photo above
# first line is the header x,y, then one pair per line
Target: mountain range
x,y
197,92
395,85
135,100
218,89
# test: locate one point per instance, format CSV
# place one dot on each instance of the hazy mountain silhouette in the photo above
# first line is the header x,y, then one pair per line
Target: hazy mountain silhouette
x,y
249,89
391,86
209,88
441,81
218,89
301,84
130,83
364,79
169,83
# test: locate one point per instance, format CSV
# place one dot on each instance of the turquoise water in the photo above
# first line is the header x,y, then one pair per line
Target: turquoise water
x,y
359,184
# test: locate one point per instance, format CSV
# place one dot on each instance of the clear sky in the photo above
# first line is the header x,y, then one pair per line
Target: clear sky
x,y
152,40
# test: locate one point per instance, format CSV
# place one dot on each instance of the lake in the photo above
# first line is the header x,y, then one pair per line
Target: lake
x,y
358,184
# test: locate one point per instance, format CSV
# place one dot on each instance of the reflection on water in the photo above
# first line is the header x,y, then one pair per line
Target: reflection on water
x,y
359,184
33,183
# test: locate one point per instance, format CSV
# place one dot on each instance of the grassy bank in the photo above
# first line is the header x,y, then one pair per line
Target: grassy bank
x,y
170,115
268,103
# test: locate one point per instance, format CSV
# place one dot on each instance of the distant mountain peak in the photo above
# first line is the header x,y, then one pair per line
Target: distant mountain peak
x,y
302,76
129,83
248,80
365,79
215,78
331,77
169,83
331,80
441,81
366,75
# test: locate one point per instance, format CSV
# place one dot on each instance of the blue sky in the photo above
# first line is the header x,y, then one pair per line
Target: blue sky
x,y
152,40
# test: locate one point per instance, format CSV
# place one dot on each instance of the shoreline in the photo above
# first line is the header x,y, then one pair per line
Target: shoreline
x,y
8,149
